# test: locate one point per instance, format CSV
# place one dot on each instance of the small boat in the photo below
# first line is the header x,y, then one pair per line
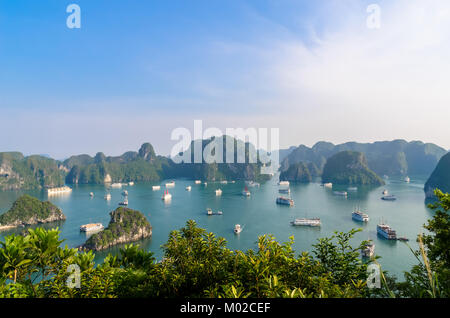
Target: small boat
x,y
246,193
91,227
284,190
197,182
237,229
283,183
327,185
125,193
91,194
389,197
59,190
107,196
233,181
166,196
209,211
124,202
219,212
224,182
352,189
369,250
285,201
360,216
218,192
252,184
116,185
131,183
205,184
155,188
403,239
407,179
170,184
306,222
385,231
385,192
188,188
341,193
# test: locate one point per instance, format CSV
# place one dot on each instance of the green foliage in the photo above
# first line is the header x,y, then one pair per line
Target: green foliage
x,y
27,208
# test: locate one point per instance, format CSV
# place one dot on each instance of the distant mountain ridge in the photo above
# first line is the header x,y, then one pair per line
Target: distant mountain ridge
x,y
397,157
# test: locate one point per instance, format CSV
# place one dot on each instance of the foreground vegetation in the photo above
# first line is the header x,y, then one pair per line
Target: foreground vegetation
x,y
198,264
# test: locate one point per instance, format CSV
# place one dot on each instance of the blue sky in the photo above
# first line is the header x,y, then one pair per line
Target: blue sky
x,y
138,69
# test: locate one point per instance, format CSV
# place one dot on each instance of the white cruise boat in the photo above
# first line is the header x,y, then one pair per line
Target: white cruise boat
x,y
59,190
360,216
385,231
170,184
389,197
91,227
188,188
352,188
197,182
369,250
218,192
237,229
328,185
131,183
107,196
385,192
166,196
124,202
285,201
91,194
205,183
245,192
209,211
224,182
156,188
116,185
407,179
125,193
252,184
283,183
341,193
306,222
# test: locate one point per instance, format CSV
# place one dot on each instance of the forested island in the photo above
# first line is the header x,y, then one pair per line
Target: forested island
x,y
440,178
28,210
126,225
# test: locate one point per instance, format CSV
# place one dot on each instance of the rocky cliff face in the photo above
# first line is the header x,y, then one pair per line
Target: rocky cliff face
x,y
349,167
28,210
126,225
300,172
440,178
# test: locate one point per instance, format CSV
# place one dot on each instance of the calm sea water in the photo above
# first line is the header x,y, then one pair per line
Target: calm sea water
x,y
258,214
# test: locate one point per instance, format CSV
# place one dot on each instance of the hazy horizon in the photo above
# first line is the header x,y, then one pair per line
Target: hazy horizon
x,y
136,70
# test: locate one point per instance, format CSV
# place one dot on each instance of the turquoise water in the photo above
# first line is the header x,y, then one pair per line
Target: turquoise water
x,y
258,214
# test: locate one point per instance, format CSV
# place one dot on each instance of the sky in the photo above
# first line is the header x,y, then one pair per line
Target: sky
x,y
136,70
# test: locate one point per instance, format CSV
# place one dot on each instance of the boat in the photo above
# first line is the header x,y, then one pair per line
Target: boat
x,y
91,194
403,239
218,192
209,211
389,197
407,179
107,196
124,202
197,182
284,190
224,182
125,193
360,216
341,193
237,229
283,183
155,188
166,196
219,212
205,184
131,183
385,231
170,184
59,190
306,222
246,193
327,185
369,250
285,201
91,227
352,189
188,188
252,184
385,192
116,185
